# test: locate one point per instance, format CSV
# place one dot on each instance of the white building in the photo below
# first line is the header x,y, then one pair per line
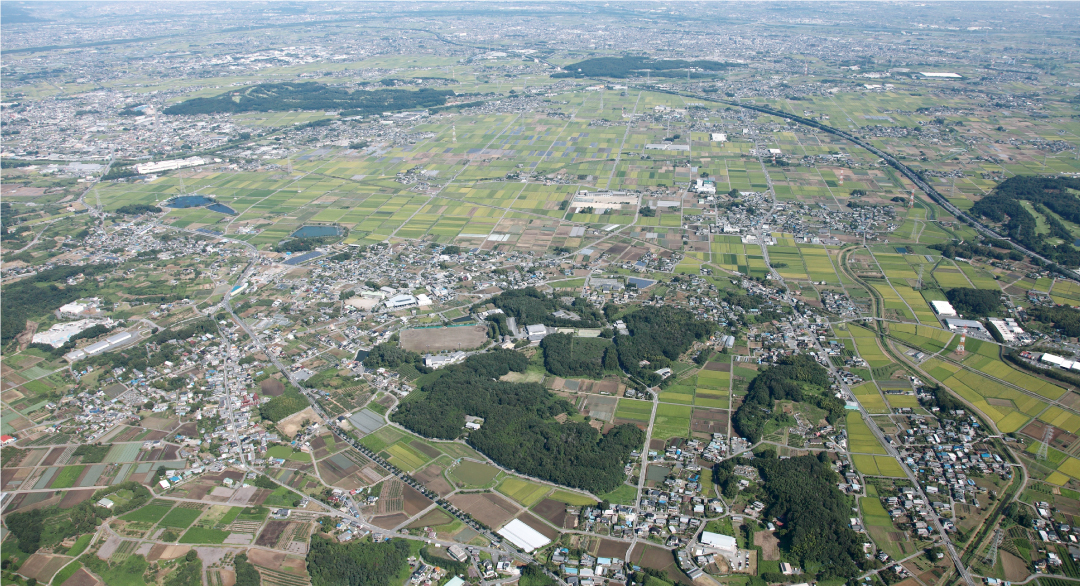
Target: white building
x,y
943,308
536,332
1008,328
401,302
725,543
144,168
523,536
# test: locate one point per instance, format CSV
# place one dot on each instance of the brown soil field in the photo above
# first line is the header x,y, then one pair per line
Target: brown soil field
x,y
540,526
432,478
161,423
267,559
271,532
650,556
53,456
553,512
272,387
389,521
291,424
1015,568
43,566
155,435
706,420
770,545
32,500
657,444
1061,438
425,449
431,519
188,429
74,497
612,549
490,509
1070,400
718,366
224,577
167,552
259,497
439,339
82,578
414,501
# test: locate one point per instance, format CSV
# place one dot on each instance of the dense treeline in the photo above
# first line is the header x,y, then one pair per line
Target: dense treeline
x,y
784,381
944,400
135,209
658,335
973,303
519,431
389,355
972,250
271,97
623,67
1064,318
529,307
1046,194
566,355
246,574
39,294
359,563
283,405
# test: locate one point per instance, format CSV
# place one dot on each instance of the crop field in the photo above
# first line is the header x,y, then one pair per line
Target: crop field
x,y
634,410
180,518
878,465
571,498
1061,419
860,438
204,535
869,396
149,514
525,492
671,421
880,527
67,476
1008,408
867,346
927,339
405,457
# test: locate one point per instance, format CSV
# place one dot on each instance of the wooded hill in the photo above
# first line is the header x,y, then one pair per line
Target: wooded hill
x,y
788,380
1051,197
801,492
658,335
623,67
519,430
282,97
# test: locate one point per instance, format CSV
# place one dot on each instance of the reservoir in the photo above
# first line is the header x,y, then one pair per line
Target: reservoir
x,y
316,232
188,201
221,209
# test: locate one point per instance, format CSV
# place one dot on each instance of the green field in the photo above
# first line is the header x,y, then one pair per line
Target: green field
x,y
148,514
671,421
878,465
203,535
67,476
474,473
287,453
180,518
634,410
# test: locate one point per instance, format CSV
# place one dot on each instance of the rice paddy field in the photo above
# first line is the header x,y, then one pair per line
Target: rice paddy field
x,y
523,491
878,466
860,438
870,398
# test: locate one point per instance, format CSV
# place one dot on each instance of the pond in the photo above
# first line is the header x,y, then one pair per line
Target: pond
x,y
316,232
361,355
188,201
221,209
